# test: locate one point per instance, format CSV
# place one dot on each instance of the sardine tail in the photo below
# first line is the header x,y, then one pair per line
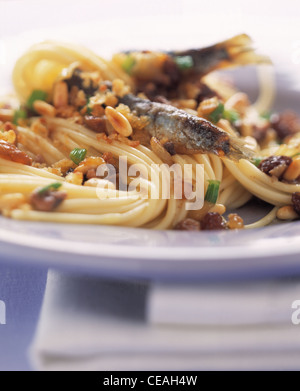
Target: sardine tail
x,y
240,51
238,150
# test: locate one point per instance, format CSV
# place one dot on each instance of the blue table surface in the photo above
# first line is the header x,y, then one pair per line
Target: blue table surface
x,y
22,289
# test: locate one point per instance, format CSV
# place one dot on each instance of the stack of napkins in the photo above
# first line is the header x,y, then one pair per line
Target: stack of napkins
x,y
92,324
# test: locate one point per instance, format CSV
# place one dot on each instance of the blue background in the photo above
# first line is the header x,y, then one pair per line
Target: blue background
x,y
22,290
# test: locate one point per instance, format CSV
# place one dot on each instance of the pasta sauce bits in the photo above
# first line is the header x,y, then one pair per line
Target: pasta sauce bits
x,y
149,108
12,153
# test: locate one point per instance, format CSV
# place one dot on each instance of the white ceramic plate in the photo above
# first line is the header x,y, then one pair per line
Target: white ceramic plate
x,y
118,251
131,252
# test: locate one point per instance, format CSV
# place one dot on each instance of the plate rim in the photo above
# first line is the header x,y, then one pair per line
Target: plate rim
x,y
272,247
67,248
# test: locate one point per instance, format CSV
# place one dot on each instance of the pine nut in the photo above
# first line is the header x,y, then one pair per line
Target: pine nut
x,y
293,171
43,108
218,208
118,121
92,162
60,94
208,106
287,213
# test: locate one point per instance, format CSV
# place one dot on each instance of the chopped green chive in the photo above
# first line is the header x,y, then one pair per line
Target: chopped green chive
x,y
53,186
266,115
217,114
128,64
78,155
257,161
36,95
212,193
231,115
220,112
184,62
19,114
89,109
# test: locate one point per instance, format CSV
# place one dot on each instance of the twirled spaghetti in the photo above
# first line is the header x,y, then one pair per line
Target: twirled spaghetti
x,y
79,112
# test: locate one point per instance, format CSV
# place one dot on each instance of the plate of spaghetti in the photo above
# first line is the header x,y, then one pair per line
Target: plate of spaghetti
x,y
148,162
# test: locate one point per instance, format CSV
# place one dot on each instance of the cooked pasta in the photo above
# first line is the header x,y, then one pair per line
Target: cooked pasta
x,y
77,114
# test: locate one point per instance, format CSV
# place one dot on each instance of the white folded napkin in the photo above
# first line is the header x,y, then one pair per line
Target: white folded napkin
x,y
92,324
235,303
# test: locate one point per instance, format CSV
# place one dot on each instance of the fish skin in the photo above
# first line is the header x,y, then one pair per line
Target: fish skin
x,y
233,52
189,134
205,60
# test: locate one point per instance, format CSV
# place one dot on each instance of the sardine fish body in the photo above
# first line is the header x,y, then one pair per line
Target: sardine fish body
x,y
188,133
